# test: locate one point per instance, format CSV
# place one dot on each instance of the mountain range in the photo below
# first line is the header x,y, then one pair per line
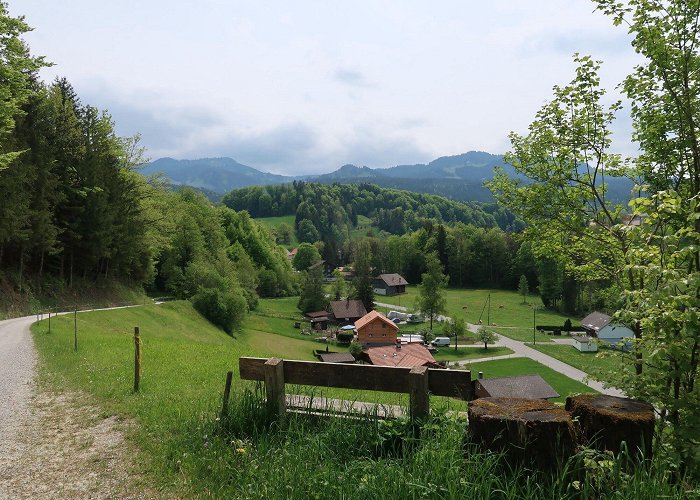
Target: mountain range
x,y
460,177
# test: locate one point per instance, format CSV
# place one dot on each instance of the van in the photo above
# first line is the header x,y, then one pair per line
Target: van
x,y
441,341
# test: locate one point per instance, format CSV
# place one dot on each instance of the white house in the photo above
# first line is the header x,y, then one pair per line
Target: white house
x,y
584,343
602,327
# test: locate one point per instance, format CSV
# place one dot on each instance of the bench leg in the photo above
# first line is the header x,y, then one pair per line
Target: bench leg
x,y
274,389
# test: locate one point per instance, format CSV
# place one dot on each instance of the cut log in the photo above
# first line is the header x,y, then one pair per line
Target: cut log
x,y
606,421
530,431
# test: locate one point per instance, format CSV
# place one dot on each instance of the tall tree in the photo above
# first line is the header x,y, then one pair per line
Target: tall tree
x,y
312,297
364,290
431,292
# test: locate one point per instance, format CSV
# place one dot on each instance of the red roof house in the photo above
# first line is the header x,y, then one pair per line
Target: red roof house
x,y
409,356
376,329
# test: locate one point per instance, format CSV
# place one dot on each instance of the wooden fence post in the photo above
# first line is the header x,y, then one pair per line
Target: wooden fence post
x,y
75,329
227,393
274,388
49,320
418,391
137,359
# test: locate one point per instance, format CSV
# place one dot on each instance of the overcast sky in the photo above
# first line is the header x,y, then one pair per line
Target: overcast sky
x,y
306,86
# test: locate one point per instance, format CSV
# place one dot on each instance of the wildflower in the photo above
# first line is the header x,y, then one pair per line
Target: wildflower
x,y
240,450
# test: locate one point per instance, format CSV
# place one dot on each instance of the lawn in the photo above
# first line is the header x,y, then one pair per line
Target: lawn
x,y
599,365
274,223
526,366
523,334
506,309
462,353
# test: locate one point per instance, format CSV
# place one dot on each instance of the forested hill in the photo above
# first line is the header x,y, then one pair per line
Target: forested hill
x,y
323,210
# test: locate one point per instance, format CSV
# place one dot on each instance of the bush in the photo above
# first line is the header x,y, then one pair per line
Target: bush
x,y
345,337
225,309
356,349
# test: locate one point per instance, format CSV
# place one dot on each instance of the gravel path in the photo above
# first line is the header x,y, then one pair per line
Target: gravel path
x,y
56,445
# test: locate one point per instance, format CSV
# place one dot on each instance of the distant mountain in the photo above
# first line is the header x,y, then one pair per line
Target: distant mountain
x,y
219,175
460,177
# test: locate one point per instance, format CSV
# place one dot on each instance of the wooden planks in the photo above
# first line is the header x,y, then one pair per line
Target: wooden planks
x,y
452,383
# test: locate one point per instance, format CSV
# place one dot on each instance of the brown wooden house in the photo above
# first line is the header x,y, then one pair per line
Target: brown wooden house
x,y
389,284
376,329
347,311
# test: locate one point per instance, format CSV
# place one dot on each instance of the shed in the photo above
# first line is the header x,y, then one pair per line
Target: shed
x,y
603,327
336,357
585,343
347,311
521,386
389,284
376,329
319,319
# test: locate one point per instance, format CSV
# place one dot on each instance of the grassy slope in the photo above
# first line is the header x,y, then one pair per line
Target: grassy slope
x,y
274,222
449,353
595,364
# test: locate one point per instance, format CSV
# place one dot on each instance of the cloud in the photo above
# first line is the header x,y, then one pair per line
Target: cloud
x,y
352,78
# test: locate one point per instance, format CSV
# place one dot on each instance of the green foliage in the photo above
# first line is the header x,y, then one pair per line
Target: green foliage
x,y
431,300
339,288
306,256
363,288
355,349
312,297
487,336
455,328
345,338
523,288
225,309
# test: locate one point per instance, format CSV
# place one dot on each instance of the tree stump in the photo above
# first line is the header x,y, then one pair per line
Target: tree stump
x,y
531,431
606,421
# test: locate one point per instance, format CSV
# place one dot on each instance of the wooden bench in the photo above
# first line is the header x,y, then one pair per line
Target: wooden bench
x,y
418,382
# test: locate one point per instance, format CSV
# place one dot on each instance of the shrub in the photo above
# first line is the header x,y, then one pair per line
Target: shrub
x,y
345,337
225,309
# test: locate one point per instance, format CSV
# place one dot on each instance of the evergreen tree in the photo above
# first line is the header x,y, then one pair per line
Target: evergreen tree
x,y
312,297
431,292
364,290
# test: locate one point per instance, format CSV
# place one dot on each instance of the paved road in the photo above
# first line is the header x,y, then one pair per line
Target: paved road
x,y
17,363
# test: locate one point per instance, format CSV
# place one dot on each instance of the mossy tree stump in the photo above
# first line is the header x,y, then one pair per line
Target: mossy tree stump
x,y
531,431
606,421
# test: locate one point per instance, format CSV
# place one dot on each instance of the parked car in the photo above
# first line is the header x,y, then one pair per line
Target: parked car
x,y
441,341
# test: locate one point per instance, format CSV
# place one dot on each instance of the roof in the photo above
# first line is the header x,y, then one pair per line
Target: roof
x,y
348,309
582,338
596,321
408,355
292,252
372,316
522,386
392,279
336,357
316,314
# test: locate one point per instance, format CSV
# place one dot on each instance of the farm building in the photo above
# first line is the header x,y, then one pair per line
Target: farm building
x,y
584,343
376,329
408,356
602,327
347,311
522,386
389,284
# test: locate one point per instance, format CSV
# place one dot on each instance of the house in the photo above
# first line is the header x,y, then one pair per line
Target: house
x,y
292,253
409,356
585,343
376,329
522,386
347,311
336,357
602,327
319,319
389,284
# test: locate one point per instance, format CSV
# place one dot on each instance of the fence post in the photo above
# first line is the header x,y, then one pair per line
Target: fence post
x,y
137,359
274,388
49,320
418,391
75,329
227,394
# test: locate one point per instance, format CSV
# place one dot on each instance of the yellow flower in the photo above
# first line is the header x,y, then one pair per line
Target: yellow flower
x,y
240,450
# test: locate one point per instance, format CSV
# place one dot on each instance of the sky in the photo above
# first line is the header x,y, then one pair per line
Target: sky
x,y
304,87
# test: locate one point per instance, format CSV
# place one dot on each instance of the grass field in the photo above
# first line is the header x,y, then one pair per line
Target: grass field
x,y
463,353
598,365
523,334
506,307
274,222
526,366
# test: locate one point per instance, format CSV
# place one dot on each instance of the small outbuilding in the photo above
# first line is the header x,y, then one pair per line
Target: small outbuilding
x,y
336,357
389,284
521,386
376,329
602,327
585,343
319,319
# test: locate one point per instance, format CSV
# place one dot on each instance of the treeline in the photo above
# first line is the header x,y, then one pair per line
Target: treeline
x,y
328,213
75,212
